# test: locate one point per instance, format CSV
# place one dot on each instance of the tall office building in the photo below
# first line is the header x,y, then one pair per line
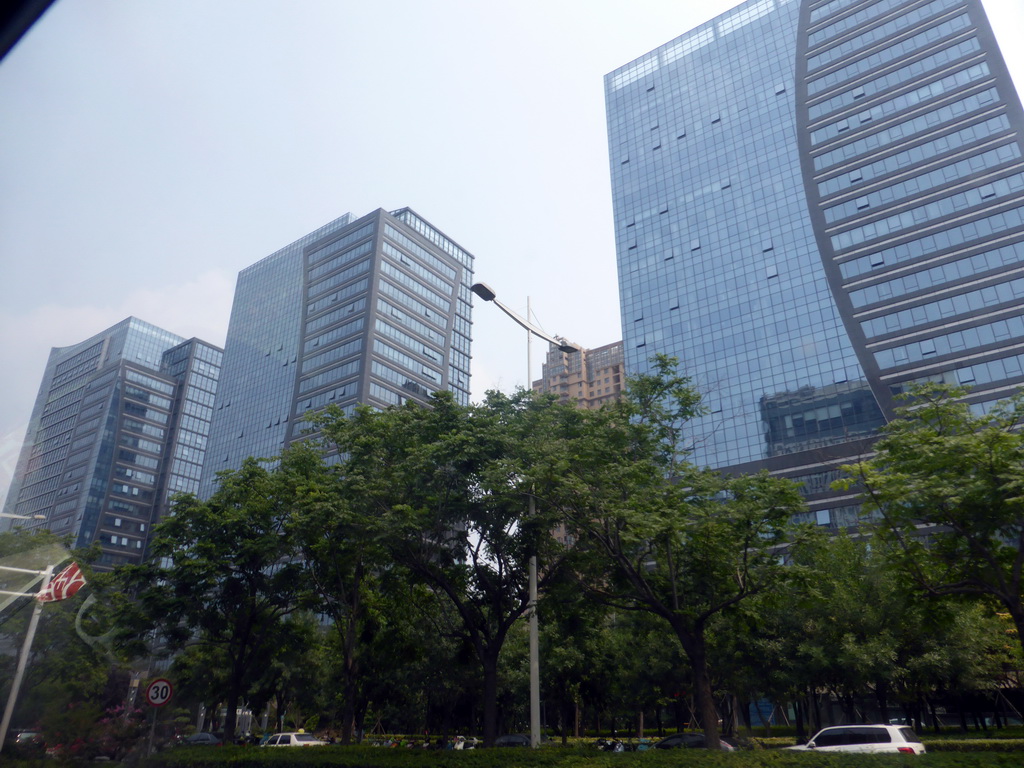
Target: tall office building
x,y
817,203
588,377
119,426
373,310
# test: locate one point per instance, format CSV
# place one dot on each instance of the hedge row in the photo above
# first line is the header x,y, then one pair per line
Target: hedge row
x,y
370,757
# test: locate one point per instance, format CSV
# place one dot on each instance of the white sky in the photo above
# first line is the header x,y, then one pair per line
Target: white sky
x,y
150,150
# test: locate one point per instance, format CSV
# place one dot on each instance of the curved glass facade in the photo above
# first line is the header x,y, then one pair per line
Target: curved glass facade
x,y
787,161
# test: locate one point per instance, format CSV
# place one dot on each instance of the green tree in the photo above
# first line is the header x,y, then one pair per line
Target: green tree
x,y
667,538
947,486
221,573
451,486
340,540
855,627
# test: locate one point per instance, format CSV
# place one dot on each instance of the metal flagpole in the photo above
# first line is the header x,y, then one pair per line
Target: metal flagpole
x,y
26,647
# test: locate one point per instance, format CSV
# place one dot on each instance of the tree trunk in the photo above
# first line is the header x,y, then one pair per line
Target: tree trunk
x,y
348,711
489,663
798,715
702,693
883,702
231,716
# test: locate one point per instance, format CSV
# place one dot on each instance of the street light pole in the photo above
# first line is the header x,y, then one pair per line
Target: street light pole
x,y
487,294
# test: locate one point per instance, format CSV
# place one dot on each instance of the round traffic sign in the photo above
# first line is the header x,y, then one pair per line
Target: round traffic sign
x,y
159,692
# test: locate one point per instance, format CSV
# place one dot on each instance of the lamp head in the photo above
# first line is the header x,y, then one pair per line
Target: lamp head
x,y
484,291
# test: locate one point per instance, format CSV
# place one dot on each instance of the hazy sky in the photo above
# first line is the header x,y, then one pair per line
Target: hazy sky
x,y
150,150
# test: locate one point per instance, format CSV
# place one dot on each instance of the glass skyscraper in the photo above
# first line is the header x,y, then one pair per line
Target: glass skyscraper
x,y
373,310
119,426
817,203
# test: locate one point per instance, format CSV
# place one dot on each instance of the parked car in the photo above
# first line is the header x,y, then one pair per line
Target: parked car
x,y
201,739
690,741
293,740
26,743
864,738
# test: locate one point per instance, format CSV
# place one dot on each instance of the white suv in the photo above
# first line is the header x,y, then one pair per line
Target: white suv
x,y
864,738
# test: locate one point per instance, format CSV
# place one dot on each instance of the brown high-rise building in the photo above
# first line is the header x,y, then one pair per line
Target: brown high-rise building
x,y
590,377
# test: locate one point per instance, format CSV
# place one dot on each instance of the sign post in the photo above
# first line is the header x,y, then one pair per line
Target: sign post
x,y
158,693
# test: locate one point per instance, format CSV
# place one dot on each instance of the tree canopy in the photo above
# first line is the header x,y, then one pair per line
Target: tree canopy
x,y
947,488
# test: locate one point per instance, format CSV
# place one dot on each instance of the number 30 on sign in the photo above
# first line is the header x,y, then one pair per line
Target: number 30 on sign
x,y
159,692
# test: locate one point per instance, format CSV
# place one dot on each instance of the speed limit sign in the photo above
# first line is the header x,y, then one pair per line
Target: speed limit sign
x,y
159,692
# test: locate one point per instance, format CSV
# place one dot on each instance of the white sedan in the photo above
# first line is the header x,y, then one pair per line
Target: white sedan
x,y
299,739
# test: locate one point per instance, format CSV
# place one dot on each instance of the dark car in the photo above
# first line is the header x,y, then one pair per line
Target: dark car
x,y
27,743
202,740
512,740
689,741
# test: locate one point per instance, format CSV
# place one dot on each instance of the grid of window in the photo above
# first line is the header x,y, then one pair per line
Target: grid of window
x,y
338,373
408,217
414,344
460,342
416,268
344,293
137,458
910,73
976,375
334,316
432,296
385,395
828,9
906,129
872,11
959,341
411,323
915,155
346,391
334,246
145,429
149,381
944,309
914,186
330,356
460,360
950,272
939,241
203,382
873,35
421,253
410,363
895,52
344,258
883,109
401,379
337,279
136,442
147,397
334,334
408,301
946,206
